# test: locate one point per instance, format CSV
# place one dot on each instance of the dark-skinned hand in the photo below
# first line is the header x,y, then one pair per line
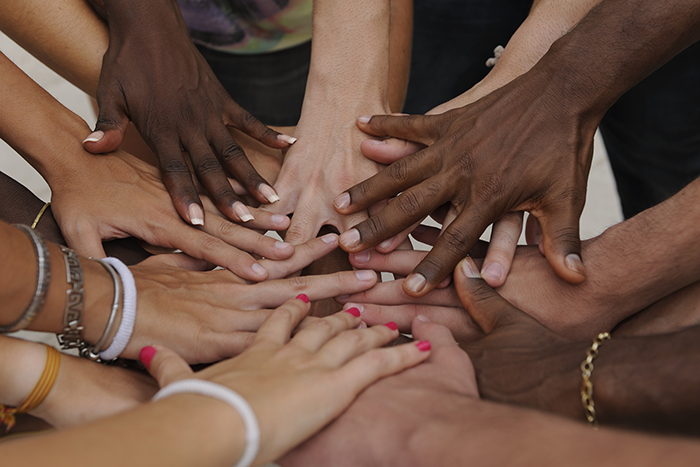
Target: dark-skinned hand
x,y
153,75
517,149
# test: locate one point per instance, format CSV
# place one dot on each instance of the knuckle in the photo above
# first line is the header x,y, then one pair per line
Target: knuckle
x,y
232,153
174,166
351,339
208,165
410,203
455,240
299,284
209,243
378,358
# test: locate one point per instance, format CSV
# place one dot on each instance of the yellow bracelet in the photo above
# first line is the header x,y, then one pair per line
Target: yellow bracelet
x,y
586,384
41,213
41,390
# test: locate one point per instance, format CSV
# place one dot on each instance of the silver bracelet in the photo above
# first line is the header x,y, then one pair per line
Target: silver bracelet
x,y
42,282
75,298
93,352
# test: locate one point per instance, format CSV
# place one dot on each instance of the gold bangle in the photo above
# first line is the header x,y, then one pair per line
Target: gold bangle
x,y
41,213
586,384
41,389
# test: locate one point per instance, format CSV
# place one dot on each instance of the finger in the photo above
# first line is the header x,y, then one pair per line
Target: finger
x,y
488,309
304,226
394,242
397,262
178,180
247,123
349,344
85,240
533,231
504,241
392,293
247,239
179,260
112,121
271,293
262,219
389,150
277,328
317,333
304,254
417,128
164,365
562,244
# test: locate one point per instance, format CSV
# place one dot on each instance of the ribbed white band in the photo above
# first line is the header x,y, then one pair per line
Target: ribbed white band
x,y
231,397
126,327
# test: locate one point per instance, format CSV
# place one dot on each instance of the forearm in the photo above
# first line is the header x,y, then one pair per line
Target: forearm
x,y
400,43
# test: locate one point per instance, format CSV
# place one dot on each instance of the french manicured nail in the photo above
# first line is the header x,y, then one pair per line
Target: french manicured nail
x,y
361,257
242,212
303,297
573,262
365,275
94,137
423,346
258,269
493,271
376,142
282,245
342,201
423,318
351,238
269,193
279,219
330,238
386,244
362,325
392,325
415,282
146,355
469,268
354,311
364,119
287,139
194,211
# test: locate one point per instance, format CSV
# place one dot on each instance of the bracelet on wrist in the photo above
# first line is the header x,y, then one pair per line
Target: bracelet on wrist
x,y
92,352
126,327
42,282
71,338
586,384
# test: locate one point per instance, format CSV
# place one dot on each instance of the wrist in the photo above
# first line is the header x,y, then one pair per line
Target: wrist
x,y
22,364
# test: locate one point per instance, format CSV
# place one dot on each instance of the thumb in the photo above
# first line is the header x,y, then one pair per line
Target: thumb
x,y
485,306
85,243
561,244
417,128
164,364
110,127
389,150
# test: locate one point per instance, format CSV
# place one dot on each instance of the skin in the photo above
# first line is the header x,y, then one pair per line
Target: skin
x,y
281,378
544,157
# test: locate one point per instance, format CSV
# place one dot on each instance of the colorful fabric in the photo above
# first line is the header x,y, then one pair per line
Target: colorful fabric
x,y
248,26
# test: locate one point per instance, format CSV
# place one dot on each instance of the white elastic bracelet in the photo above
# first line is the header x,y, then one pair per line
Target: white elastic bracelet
x,y
126,327
231,397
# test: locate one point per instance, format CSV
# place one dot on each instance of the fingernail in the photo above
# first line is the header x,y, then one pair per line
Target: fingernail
x,y
354,305
194,211
573,262
423,318
423,346
353,311
376,142
258,269
386,244
362,325
365,275
282,245
361,257
351,238
415,283
303,297
94,137
146,355
469,268
279,219
242,212
330,238
342,201
287,139
269,193
392,325
364,119
493,271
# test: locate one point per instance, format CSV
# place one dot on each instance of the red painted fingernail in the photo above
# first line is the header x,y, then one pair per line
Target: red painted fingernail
x,y
146,355
423,346
303,297
354,311
392,325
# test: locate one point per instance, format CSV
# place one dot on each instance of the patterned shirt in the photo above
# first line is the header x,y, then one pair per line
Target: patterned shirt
x,y
248,26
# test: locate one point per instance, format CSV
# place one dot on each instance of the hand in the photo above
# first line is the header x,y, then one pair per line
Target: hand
x,y
544,159
118,195
153,74
296,386
377,429
211,315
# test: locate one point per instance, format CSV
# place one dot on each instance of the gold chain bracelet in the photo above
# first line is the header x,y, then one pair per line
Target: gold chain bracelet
x,y
586,384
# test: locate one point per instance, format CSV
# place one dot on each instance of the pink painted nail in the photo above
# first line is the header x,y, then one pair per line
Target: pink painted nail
x,y
146,355
392,325
423,346
303,297
354,311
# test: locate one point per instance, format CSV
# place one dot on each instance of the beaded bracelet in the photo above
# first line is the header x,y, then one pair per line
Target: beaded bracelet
x,y
42,282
